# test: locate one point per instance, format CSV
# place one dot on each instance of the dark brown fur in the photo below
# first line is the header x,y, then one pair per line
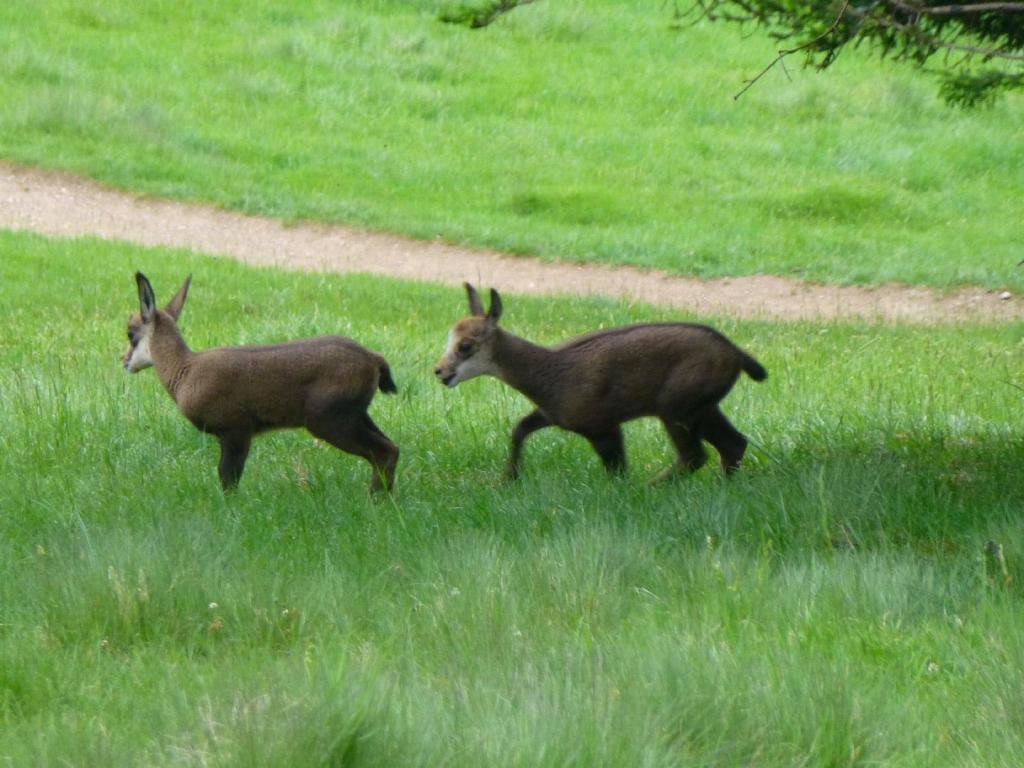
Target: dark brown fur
x,y
324,384
591,384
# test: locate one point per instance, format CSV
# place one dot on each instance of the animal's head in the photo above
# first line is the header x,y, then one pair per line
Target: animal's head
x,y
143,324
470,342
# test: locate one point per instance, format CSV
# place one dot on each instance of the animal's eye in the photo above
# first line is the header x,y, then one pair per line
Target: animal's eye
x,y
465,348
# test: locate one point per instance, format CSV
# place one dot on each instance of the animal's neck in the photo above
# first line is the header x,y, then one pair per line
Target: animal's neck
x,y
527,367
171,356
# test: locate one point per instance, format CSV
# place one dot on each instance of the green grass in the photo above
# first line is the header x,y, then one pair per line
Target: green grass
x,y
828,606
577,129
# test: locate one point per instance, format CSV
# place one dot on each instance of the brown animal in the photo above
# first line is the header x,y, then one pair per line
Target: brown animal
x,y
323,384
593,383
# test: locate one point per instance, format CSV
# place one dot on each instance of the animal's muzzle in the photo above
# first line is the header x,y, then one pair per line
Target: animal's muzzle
x,y
447,380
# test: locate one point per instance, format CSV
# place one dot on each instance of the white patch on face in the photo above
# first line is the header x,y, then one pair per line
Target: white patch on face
x,y
472,367
463,369
449,355
139,358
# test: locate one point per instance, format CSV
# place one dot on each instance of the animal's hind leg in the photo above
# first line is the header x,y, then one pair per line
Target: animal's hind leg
x,y
234,450
610,448
686,437
358,435
383,455
727,440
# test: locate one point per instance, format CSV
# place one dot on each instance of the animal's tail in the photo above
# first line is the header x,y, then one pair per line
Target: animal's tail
x,y
386,383
754,369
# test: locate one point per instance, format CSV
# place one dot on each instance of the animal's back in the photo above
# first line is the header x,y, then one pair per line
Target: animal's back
x,y
652,347
639,370
275,385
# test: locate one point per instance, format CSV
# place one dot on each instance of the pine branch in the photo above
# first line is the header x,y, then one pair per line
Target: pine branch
x,y
956,11
478,16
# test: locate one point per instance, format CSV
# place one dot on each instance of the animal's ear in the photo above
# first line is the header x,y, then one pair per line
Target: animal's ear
x,y
476,307
495,311
173,307
147,301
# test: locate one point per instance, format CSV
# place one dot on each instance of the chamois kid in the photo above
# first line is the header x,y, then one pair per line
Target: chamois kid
x,y
593,383
323,384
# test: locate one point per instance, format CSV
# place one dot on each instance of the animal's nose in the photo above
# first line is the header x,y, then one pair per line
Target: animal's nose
x,y
437,371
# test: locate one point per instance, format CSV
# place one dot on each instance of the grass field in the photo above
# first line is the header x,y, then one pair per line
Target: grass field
x,y
578,129
831,605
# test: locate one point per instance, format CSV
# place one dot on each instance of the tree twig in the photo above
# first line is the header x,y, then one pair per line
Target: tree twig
x,y
783,53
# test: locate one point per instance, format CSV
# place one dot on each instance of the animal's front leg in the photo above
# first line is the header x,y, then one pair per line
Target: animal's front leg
x,y
234,450
529,424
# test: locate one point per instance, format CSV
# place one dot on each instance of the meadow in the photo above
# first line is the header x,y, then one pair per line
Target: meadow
x,y
830,605
578,129
837,603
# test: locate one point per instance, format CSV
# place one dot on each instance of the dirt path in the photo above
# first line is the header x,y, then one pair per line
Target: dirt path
x,y
62,205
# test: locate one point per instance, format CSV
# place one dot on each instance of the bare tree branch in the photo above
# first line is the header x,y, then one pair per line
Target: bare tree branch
x,y
783,53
